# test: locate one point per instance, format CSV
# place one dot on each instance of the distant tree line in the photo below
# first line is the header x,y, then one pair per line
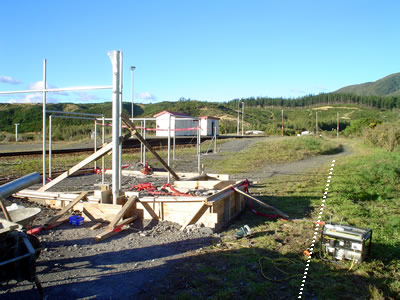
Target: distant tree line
x,y
387,102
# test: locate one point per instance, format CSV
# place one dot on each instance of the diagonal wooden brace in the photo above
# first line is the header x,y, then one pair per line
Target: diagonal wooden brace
x,y
282,214
132,129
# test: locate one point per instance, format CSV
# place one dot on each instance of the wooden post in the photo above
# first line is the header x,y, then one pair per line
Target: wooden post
x,y
316,123
283,132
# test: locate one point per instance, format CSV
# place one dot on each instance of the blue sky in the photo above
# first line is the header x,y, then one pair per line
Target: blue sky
x,y
206,50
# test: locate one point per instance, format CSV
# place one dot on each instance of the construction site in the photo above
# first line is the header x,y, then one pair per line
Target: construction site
x,y
132,219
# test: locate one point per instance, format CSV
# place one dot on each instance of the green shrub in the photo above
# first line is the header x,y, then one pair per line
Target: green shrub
x,y
386,136
357,126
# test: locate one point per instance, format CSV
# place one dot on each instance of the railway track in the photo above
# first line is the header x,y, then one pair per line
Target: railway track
x,y
129,144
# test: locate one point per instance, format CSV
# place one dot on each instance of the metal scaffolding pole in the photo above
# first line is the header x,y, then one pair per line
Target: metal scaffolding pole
x,y
144,148
141,144
44,122
95,141
120,120
174,143
50,143
215,138
102,158
198,148
115,60
242,117
169,147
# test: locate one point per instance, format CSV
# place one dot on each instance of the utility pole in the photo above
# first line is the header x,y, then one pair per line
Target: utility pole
x,y
132,69
316,123
338,126
283,132
238,120
242,117
16,131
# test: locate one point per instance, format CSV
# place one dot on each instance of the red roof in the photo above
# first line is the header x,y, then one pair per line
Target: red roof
x,y
176,114
208,117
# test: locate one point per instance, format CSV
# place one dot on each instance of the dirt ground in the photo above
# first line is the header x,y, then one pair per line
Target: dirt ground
x,y
132,264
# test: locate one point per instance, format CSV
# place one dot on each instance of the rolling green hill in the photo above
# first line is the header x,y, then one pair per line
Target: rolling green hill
x,y
261,113
257,117
387,86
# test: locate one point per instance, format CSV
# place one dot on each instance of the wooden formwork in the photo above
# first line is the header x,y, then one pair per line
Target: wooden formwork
x,y
213,211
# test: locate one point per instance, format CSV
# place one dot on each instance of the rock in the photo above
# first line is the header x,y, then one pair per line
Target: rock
x,y
191,227
206,231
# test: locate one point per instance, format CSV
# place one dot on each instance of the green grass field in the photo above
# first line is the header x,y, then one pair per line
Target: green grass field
x,y
270,264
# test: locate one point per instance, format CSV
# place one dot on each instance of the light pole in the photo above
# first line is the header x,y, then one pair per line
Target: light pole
x,y
132,69
238,120
16,131
242,117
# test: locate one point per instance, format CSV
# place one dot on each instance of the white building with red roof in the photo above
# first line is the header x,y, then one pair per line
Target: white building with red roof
x,y
182,124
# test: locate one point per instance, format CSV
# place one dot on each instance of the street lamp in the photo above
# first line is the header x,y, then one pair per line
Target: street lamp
x,y
242,116
132,69
16,131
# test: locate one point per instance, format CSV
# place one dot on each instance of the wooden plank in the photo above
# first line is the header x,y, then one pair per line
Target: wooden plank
x,y
101,211
66,209
123,210
282,214
57,223
182,175
44,195
89,215
106,234
209,184
96,226
113,231
104,150
5,211
133,130
149,210
196,216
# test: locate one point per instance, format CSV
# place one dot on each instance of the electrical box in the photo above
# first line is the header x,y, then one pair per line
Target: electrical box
x,y
340,242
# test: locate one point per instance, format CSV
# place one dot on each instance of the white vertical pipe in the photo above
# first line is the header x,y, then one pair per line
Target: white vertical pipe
x,y
141,144
120,120
44,122
144,148
173,147
198,148
95,141
169,146
242,117
238,119
16,131
115,60
102,141
132,69
215,138
50,143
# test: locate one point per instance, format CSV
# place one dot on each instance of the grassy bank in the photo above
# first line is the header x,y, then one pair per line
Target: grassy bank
x,y
274,150
364,192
